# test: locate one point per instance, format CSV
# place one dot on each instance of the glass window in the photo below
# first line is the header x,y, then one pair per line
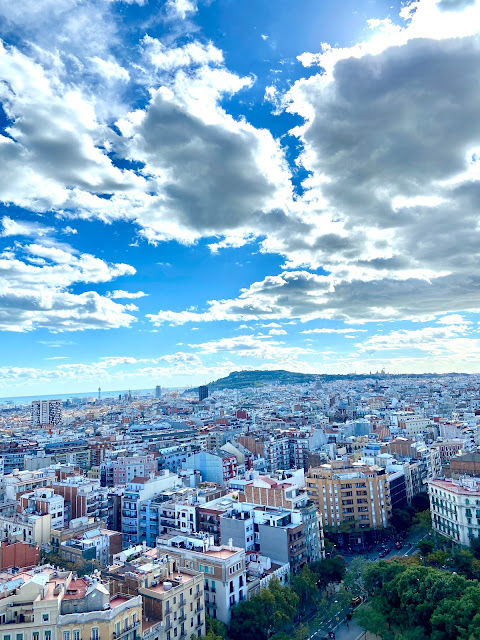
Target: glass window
x,y
76,634
66,635
95,634
19,636
45,617
47,635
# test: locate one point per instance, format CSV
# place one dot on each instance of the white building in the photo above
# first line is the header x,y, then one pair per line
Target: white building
x,y
455,508
46,412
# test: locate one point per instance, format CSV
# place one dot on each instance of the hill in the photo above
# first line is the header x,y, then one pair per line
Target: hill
x,y
258,378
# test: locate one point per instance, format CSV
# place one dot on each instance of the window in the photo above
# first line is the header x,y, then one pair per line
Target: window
x,y
47,635
45,617
76,634
19,636
66,635
36,635
95,633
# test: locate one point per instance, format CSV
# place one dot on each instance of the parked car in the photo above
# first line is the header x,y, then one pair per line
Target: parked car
x,y
355,601
398,545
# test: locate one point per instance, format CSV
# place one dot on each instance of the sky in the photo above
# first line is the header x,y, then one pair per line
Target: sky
x,y
192,187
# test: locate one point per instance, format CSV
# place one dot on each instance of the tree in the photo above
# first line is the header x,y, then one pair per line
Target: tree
x,y
401,520
425,546
304,584
272,609
329,570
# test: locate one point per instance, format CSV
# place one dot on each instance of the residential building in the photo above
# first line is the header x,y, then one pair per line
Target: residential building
x,y
136,495
172,596
455,508
42,501
214,466
223,567
358,493
83,497
46,413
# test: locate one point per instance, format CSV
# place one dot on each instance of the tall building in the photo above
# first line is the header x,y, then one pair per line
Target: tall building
x,y
359,494
202,392
158,392
46,412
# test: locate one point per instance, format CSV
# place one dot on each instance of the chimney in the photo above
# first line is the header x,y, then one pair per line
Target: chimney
x,y
230,544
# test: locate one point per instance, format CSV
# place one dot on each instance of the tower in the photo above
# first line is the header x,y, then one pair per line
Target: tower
x,y
99,393
158,392
202,392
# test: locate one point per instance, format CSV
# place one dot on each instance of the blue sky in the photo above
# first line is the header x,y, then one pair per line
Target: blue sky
x,y
191,187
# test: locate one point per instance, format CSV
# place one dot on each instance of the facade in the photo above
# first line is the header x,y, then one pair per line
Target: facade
x,y
136,508
158,392
83,498
46,413
202,392
357,494
455,508
172,597
223,568
42,501
214,466
125,469
43,604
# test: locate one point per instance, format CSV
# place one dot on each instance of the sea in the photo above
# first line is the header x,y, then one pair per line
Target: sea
x,y
18,401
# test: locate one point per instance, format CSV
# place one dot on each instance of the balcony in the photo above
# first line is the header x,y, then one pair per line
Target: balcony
x,y
199,592
126,630
182,618
198,609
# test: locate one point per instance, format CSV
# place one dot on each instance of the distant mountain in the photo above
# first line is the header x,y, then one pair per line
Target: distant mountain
x,y
245,379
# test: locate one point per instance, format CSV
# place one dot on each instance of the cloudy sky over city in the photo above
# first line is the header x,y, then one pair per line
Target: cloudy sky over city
x,y
191,187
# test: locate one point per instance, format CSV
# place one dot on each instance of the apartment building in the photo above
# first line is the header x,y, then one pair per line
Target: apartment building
x,y
267,491
15,484
31,528
139,521
46,413
276,533
42,501
455,508
214,466
223,567
124,469
358,493
83,497
448,448
173,597
43,604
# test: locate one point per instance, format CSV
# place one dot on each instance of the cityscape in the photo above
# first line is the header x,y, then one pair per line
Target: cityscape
x,y
158,514
239,320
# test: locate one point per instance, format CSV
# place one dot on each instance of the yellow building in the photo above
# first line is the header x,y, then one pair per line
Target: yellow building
x,y
357,493
44,604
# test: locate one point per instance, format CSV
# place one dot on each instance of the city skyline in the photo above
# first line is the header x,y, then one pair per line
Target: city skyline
x,y
194,187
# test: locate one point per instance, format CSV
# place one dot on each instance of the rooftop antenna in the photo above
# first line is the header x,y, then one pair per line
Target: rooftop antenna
x,y
99,393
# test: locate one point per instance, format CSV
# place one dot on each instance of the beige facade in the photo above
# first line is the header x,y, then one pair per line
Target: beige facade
x,y
172,596
358,493
44,604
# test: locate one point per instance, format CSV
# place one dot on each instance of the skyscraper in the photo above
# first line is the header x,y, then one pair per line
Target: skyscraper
x,y
158,392
202,392
46,412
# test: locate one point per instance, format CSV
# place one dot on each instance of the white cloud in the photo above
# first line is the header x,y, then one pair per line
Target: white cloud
x,y
34,290
327,330
277,332
120,293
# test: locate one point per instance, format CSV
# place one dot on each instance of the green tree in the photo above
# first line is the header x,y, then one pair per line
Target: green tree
x,y
304,584
425,546
329,570
401,520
